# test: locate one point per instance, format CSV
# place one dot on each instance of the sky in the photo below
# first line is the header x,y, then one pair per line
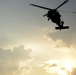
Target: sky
x,y
29,43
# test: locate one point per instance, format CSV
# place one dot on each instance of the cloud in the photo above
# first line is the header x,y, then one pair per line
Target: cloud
x,y
53,65
38,71
50,66
56,68
15,62
73,71
56,44
66,36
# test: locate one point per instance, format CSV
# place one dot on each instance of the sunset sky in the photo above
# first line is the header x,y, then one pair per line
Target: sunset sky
x,y
30,45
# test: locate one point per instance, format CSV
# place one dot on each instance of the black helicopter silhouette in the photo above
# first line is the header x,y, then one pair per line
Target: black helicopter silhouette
x,y
54,15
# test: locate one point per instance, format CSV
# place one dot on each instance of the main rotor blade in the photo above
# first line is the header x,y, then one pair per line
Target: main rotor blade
x,y
62,4
67,11
41,7
45,15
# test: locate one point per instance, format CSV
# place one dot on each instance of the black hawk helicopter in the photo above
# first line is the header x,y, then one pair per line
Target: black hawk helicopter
x,y
54,15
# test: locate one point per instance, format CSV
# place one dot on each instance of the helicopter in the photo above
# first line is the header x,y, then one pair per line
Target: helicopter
x,y
54,15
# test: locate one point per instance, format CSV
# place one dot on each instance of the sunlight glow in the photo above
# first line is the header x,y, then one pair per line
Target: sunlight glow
x,y
52,61
54,66
68,65
31,46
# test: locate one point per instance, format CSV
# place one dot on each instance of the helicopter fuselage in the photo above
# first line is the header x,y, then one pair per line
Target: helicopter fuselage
x,y
54,16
